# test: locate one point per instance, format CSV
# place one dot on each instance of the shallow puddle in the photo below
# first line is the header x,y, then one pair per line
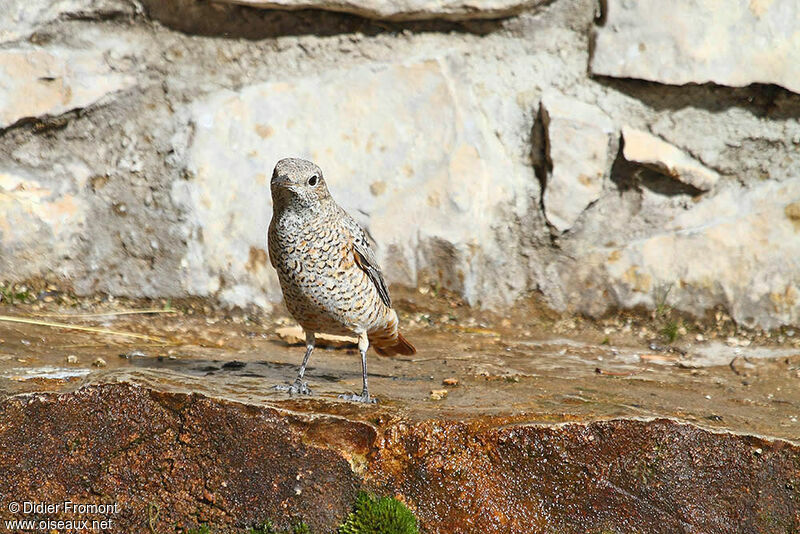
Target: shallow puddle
x,y
522,375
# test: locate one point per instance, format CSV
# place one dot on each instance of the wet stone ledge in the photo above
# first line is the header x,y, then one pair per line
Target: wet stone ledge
x,y
173,460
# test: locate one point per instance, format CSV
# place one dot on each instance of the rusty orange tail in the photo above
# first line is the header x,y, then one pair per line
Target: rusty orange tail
x,y
393,347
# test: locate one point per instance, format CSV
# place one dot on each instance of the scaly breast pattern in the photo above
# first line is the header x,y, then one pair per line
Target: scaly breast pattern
x,y
324,289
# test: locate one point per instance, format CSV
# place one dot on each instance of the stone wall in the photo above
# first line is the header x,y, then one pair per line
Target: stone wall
x,y
598,154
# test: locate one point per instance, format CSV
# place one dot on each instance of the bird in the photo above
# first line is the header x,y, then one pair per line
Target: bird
x,y
328,273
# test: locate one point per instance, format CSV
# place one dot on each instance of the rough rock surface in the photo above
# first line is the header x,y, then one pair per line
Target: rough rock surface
x,y
696,42
167,459
647,149
20,18
421,144
404,9
579,144
51,81
170,459
721,249
29,210
160,123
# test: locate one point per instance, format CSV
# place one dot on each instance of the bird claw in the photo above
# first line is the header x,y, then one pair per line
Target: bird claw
x,y
364,397
298,388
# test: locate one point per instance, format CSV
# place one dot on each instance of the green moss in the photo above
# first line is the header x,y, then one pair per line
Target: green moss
x,y
386,515
370,515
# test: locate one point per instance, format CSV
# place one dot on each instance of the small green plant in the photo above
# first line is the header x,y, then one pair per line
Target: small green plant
x,y
660,295
11,294
384,515
268,528
670,330
668,327
370,515
264,528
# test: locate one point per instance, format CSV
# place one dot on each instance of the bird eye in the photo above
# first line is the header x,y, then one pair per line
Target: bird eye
x,y
313,180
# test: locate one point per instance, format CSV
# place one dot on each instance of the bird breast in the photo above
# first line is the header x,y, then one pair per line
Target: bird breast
x,y
323,287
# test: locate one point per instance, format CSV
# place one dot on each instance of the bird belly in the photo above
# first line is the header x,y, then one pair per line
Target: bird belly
x,y
325,291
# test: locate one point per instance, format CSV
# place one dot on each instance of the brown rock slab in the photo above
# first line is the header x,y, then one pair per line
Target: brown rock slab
x,y
611,476
186,458
179,460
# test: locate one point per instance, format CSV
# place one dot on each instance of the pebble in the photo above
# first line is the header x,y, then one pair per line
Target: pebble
x,y
72,359
438,394
452,381
99,362
737,342
132,354
294,335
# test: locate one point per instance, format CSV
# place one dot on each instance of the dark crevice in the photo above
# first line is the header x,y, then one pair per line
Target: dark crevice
x,y
112,15
542,165
540,157
601,13
206,18
762,100
628,175
43,124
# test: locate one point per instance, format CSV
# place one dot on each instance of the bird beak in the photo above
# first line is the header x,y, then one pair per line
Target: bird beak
x,y
280,181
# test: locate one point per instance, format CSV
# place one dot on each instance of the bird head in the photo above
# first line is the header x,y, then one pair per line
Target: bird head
x,y
298,184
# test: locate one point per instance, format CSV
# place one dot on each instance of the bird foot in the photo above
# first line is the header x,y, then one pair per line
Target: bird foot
x,y
364,397
298,388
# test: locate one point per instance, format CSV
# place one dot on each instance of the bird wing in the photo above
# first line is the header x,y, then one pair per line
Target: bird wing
x,y
365,258
271,246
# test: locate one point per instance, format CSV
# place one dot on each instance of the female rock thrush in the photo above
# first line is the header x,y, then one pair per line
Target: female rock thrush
x,y
330,279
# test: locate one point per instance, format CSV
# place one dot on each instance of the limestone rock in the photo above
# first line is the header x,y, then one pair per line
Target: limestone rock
x,y
647,149
697,42
37,222
405,9
37,81
578,145
408,128
739,248
19,18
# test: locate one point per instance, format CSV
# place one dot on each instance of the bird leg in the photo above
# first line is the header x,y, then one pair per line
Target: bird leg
x,y
299,387
363,345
